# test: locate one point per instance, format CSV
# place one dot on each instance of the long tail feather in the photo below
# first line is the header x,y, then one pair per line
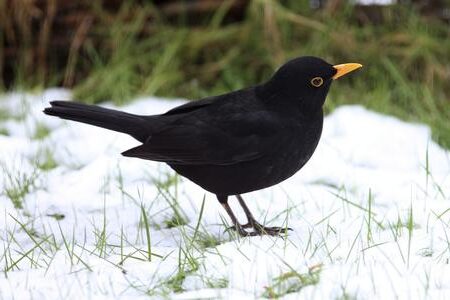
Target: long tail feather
x,y
134,125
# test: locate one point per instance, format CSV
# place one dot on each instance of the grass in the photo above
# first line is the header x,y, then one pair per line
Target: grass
x,y
188,261
168,189
292,282
41,131
44,160
147,233
4,114
18,184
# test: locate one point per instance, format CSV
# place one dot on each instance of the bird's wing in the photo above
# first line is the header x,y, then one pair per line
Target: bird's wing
x,y
194,141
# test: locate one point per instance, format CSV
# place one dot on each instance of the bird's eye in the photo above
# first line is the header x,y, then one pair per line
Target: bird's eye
x,y
317,81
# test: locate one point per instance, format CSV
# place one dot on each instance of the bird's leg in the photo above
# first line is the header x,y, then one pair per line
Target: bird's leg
x,y
236,225
250,220
259,228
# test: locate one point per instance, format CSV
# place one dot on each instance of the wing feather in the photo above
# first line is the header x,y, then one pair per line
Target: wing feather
x,y
191,146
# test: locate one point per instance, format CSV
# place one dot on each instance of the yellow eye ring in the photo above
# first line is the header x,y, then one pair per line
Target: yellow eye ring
x,y
317,81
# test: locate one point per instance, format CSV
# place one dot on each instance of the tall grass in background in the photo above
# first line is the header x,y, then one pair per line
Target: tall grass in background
x,y
138,49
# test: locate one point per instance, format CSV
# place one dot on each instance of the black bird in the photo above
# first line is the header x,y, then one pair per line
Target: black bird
x,y
234,143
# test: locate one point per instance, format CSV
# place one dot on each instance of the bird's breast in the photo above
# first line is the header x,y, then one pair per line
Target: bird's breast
x,y
294,151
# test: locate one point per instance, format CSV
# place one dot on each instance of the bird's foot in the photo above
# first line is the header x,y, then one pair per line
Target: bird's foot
x,y
259,229
241,231
247,225
273,231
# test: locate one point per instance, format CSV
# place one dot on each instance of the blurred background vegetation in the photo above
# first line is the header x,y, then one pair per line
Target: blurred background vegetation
x,y
116,50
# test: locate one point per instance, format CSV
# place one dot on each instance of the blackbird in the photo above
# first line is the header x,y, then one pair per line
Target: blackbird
x,y
233,143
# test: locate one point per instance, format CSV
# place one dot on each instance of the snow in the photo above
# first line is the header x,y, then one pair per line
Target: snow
x,y
369,212
375,2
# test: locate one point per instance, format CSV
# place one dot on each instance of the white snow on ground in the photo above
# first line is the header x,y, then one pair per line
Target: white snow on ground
x,y
370,214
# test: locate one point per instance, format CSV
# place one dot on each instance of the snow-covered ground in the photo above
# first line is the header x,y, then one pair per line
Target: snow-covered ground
x,y
370,214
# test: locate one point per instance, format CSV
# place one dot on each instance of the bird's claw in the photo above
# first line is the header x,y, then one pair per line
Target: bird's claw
x,y
240,230
247,225
274,231
258,230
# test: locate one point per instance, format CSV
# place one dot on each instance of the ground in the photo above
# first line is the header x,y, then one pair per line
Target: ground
x,y
370,215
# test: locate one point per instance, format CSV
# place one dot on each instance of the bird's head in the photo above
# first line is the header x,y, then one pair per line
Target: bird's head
x,y
305,81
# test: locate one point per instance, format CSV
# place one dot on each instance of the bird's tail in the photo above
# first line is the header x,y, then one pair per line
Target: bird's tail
x,y
134,125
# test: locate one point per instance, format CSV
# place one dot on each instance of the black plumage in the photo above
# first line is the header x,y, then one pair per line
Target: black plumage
x,y
234,143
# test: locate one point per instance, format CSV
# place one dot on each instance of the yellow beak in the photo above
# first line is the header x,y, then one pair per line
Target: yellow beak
x,y
345,68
